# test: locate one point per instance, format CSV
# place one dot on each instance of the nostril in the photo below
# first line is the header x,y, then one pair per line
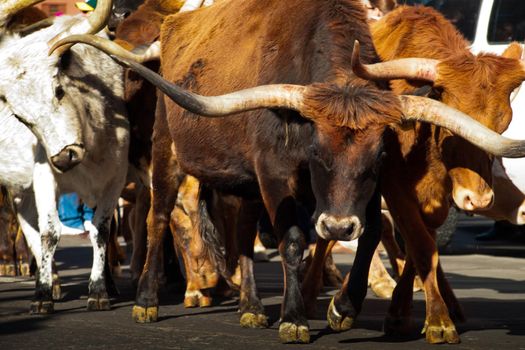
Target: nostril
x,y
350,229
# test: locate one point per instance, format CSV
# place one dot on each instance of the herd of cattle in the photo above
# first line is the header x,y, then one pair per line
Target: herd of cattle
x,y
239,112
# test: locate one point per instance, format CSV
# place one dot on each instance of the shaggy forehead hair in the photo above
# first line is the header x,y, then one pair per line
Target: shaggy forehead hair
x,y
351,106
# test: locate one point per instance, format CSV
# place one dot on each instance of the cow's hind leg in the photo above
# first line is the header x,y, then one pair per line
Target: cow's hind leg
x,y
166,180
347,303
98,298
22,253
252,310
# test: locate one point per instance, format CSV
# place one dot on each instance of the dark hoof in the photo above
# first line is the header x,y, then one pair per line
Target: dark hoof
x,y
145,314
41,308
293,333
336,321
250,320
397,326
98,302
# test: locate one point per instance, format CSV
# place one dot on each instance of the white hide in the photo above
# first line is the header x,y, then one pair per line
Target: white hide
x,y
30,84
91,111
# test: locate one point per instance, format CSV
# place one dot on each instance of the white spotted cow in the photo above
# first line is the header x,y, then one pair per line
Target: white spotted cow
x,y
72,100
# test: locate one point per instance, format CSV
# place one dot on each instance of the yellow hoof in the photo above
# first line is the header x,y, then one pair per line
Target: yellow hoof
x,y
191,301
98,303
336,322
383,288
205,301
441,334
250,320
292,333
25,269
145,315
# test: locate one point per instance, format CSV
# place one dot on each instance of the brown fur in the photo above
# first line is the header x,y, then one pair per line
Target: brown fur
x,y
142,27
26,17
238,44
425,163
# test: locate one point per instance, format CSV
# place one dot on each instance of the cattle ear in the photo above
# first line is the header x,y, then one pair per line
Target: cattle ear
x,y
514,50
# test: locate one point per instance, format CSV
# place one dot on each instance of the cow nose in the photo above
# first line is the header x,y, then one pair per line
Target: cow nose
x,y
343,229
473,201
336,229
69,157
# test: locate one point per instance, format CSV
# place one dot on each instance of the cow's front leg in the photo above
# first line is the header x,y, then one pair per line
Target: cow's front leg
x,y
347,303
422,253
98,298
45,196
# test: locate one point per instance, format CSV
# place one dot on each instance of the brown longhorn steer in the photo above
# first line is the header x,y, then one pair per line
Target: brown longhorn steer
x,y
318,141
425,163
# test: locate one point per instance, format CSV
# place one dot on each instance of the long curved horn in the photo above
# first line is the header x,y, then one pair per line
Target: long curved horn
x,y
402,68
422,109
9,8
91,24
141,55
265,96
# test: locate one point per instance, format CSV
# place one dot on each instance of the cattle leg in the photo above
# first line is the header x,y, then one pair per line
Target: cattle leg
x,y
100,280
291,243
422,250
166,180
347,303
45,195
379,279
22,253
313,280
454,308
201,274
251,307
7,258
139,231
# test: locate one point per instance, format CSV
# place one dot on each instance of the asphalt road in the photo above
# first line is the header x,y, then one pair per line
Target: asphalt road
x,y
490,288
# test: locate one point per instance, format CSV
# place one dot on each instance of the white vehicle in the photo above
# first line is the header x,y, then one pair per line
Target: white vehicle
x,y
491,25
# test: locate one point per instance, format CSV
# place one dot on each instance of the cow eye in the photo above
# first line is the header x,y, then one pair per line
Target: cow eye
x,y
59,92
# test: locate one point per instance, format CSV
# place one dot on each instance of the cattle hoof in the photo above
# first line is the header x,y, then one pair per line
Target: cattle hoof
x,y
441,334
251,320
205,301
25,270
56,292
41,308
293,333
191,301
98,302
397,326
337,322
8,270
383,288
145,314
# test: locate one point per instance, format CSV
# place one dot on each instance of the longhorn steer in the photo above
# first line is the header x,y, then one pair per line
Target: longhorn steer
x,y
319,144
80,90
425,164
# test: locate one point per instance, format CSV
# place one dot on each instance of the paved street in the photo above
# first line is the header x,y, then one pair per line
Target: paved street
x,y
491,290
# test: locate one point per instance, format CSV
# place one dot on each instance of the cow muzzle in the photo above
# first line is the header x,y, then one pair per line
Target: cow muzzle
x,y
69,157
469,200
342,229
